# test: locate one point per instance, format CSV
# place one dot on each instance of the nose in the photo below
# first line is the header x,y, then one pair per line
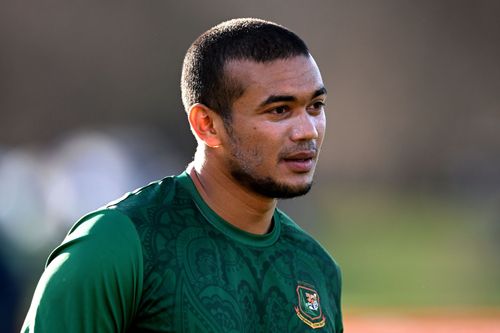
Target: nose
x,y
305,128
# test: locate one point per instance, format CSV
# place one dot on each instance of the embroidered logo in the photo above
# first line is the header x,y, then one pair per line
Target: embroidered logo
x,y
309,307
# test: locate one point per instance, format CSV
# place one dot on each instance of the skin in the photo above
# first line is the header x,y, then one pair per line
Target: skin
x,y
271,146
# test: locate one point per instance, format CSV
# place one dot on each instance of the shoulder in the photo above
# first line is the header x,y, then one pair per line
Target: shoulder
x,y
105,233
159,212
97,268
155,193
294,231
117,224
298,237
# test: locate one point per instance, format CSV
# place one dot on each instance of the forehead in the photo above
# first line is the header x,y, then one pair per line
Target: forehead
x,y
293,76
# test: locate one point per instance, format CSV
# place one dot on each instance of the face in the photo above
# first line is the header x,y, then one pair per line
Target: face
x,y
274,137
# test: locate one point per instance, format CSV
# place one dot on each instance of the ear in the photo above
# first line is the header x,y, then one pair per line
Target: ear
x,y
204,123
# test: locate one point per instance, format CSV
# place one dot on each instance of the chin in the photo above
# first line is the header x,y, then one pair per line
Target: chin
x,y
296,191
278,190
273,187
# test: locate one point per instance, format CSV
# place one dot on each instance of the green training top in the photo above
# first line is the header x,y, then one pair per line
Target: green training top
x,y
160,260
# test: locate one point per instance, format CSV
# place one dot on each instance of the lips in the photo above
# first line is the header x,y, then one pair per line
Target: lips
x,y
302,161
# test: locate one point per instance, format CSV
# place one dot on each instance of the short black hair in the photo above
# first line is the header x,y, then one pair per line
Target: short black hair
x,y
203,80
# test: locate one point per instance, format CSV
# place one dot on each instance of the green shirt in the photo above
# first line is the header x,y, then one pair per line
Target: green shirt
x,y
160,260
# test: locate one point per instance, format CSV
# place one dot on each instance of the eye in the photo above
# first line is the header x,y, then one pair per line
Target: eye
x,y
319,104
279,110
317,107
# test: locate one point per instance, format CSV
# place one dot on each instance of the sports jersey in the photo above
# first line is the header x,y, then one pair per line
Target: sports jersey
x,y
161,260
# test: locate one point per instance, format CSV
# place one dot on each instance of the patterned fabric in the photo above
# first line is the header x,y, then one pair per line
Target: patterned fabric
x,y
197,273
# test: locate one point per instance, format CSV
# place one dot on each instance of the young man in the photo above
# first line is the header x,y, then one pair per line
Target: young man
x,y
207,250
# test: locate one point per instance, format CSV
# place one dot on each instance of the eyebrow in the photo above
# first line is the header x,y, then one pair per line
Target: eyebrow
x,y
289,98
319,92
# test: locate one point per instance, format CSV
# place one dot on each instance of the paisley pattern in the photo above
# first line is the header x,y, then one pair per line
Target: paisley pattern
x,y
201,276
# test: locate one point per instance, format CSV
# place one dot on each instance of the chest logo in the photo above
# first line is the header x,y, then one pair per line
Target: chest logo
x,y
309,307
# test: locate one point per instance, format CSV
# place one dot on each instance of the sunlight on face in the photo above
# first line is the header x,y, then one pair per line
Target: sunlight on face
x,y
277,126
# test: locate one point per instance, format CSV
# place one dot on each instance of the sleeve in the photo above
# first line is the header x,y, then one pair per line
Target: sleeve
x,y
340,324
93,281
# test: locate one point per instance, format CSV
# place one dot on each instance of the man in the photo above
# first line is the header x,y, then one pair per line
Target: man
x,y
208,251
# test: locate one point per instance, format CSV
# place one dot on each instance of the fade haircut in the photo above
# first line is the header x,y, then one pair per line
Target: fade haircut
x,y
203,79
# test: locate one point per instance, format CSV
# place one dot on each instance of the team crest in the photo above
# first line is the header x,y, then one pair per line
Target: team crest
x,y
309,308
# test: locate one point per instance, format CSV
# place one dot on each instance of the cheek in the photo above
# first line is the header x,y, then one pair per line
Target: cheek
x,y
258,143
248,146
261,149
321,127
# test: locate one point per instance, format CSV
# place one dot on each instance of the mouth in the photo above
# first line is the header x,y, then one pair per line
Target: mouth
x,y
300,162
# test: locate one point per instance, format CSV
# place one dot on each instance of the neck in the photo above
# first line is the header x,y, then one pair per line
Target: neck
x,y
237,205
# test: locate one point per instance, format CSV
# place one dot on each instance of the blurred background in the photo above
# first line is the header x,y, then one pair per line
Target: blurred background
x,y
407,194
